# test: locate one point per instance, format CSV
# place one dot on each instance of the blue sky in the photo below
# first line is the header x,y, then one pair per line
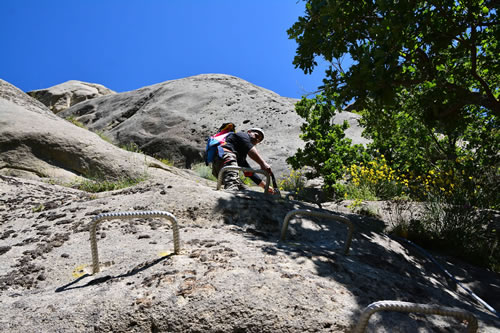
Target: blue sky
x,y
125,45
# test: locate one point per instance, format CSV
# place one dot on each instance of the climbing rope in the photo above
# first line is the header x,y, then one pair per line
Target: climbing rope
x,y
414,307
128,215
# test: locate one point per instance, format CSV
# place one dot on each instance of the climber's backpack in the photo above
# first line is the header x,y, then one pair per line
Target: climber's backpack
x,y
215,142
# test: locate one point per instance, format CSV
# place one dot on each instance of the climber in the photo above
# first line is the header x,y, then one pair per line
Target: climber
x,y
236,148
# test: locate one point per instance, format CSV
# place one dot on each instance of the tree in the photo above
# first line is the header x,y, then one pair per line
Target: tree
x,y
443,54
327,151
425,77
426,80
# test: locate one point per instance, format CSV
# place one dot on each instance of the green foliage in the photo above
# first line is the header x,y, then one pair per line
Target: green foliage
x,y
368,211
132,147
358,192
452,225
204,171
293,182
72,119
358,207
38,208
327,151
443,55
465,156
166,161
104,137
355,204
375,180
426,80
102,185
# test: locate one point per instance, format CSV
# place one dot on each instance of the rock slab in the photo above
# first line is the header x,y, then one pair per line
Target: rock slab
x,y
62,96
173,119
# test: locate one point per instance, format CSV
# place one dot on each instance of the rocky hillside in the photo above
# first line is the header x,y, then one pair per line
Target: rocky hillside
x,y
173,119
35,143
64,95
232,273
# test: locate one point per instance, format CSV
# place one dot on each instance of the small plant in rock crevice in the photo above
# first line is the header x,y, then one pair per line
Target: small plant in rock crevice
x,y
204,171
104,137
132,147
166,161
38,208
74,121
102,185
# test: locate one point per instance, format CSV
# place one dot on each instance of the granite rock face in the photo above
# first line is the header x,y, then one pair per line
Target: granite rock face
x,y
232,273
35,143
173,119
13,95
64,95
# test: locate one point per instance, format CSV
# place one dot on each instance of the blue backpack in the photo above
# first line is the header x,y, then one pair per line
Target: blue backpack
x,y
215,142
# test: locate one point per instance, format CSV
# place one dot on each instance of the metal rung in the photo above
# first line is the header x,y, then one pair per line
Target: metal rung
x,y
338,218
414,307
123,216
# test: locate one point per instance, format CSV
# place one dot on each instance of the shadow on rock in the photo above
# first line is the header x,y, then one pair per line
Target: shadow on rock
x,y
376,268
102,279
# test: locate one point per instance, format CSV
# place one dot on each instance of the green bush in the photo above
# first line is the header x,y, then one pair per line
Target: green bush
x,y
452,225
374,180
166,161
327,150
449,224
293,182
204,171
103,185
428,105
361,192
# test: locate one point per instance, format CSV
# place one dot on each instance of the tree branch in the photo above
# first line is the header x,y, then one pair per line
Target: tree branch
x,y
432,134
474,72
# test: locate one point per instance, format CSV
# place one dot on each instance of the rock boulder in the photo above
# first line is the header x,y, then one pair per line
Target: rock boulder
x,y
35,143
69,93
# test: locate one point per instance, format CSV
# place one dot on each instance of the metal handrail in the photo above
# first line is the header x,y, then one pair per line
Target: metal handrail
x,y
128,215
338,218
414,307
237,168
